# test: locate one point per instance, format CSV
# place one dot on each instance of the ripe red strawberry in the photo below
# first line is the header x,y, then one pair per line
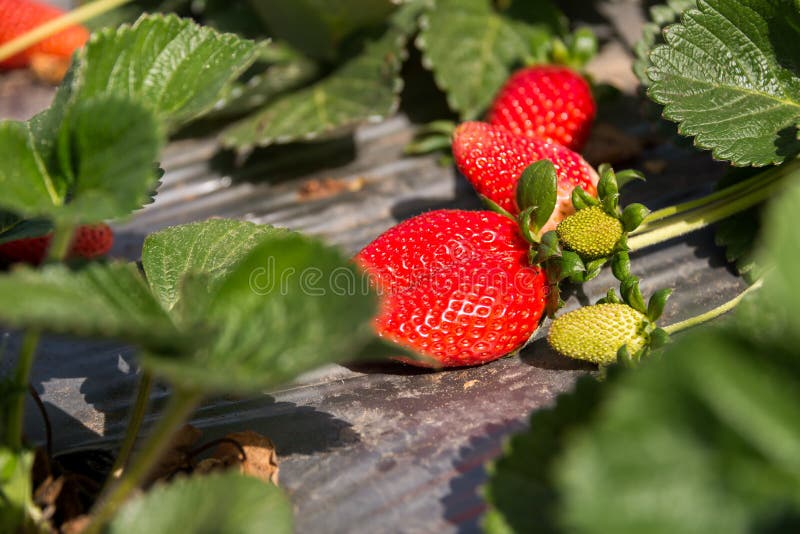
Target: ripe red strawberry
x,y
90,241
18,17
492,159
547,102
456,286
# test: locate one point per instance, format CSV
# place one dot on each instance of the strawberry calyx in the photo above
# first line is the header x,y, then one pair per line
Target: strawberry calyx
x,y
617,329
598,230
583,241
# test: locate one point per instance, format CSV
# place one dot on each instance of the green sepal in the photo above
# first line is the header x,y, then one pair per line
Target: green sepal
x,y
621,266
624,357
581,199
658,338
610,298
571,265
610,204
655,307
607,186
583,46
632,295
491,205
538,187
633,215
548,248
593,268
554,301
525,222
627,176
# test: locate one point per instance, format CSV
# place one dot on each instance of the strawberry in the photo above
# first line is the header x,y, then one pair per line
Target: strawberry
x,y
90,241
595,333
492,159
18,17
455,286
547,102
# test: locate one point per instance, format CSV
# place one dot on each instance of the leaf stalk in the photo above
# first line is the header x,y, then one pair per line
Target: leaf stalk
x,y
179,408
134,423
714,313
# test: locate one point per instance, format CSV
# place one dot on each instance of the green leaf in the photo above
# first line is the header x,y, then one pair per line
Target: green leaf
x,y
366,88
286,70
538,187
771,316
172,65
16,493
702,440
13,228
107,146
317,27
471,50
223,503
211,248
100,300
289,305
652,34
728,75
738,234
633,215
28,187
655,306
521,494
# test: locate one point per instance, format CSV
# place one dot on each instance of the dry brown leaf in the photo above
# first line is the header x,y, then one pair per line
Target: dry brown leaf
x,y
327,187
261,460
178,455
209,465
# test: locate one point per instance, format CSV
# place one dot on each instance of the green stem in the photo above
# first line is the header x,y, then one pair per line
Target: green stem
x,y
54,26
59,244
175,414
134,423
743,187
712,314
703,218
21,378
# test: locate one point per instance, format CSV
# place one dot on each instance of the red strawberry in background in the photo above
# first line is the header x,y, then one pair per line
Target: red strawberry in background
x,y
492,159
89,242
547,102
18,17
456,286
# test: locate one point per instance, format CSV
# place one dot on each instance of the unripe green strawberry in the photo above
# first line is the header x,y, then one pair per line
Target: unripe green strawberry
x,y
591,232
595,333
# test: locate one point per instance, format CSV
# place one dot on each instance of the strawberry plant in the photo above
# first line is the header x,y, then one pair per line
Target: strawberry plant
x,y
210,308
696,440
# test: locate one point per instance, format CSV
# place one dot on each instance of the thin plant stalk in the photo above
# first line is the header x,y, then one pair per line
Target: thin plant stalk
x,y
714,313
77,16
701,218
134,423
22,372
179,408
742,188
59,246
